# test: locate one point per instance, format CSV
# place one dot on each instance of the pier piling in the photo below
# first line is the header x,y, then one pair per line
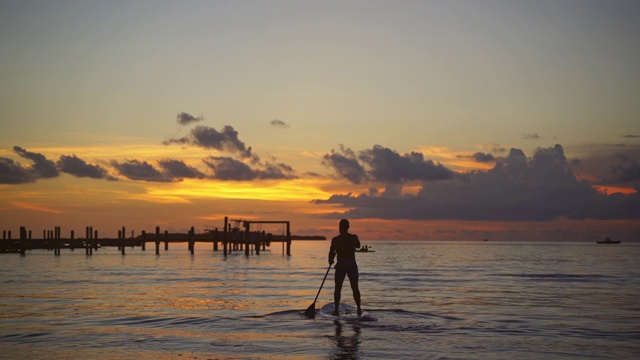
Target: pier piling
x,y
157,240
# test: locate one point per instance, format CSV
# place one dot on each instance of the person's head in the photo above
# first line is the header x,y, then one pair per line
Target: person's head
x,y
344,226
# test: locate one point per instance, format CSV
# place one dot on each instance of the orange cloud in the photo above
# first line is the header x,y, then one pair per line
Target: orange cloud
x,y
615,189
36,207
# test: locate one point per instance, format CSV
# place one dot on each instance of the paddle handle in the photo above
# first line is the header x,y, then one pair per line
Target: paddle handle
x,y
325,278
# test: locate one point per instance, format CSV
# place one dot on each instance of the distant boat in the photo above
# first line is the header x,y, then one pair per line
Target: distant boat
x,y
365,249
608,241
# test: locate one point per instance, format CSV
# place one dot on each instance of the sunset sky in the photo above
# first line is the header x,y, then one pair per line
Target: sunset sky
x,y
435,120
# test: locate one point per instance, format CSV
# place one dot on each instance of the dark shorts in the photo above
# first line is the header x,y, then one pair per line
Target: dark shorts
x,y
347,267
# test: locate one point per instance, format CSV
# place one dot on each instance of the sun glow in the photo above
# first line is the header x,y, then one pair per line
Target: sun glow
x,y
459,161
185,191
615,189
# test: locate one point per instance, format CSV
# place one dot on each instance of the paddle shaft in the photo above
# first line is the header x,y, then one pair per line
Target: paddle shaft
x,y
325,278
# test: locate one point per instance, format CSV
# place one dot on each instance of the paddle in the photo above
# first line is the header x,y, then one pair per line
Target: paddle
x,y
311,310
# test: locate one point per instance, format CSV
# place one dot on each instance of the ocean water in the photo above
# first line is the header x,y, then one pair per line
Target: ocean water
x,y
433,300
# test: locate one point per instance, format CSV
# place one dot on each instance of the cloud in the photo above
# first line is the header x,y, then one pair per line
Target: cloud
x,y
631,136
478,157
184,118
388,166
136,170
279,171
517,188
177,169
345,165
531,136
226,168
77,167
384,165
41,168
607,164
279,123
12,173
36,207
170,170
628,170
209,138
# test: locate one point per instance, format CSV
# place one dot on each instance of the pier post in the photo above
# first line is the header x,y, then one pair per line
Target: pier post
x,y
224,236
87,242
157,240
122,246
23,240
215,240
288,238
166,240
56,240
144,240
257,243
192,240
247,234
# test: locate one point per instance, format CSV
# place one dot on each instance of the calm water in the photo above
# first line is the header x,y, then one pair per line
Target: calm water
x,y
433,300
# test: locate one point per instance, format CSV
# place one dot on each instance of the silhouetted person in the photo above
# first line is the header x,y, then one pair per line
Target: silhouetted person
x,y
344,246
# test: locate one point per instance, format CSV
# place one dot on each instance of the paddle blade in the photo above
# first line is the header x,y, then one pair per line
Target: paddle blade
x,y
311,311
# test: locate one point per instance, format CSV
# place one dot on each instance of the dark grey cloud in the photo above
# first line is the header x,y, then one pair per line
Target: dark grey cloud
x,y
605,164
277,170
210,138
140,170
77,167
12,172
478,157
388,166
279,123
229,169
177,169
184,118
382,164
42,168
483,158
531,136
345,165
517,188
627,170
170,170
631,136
226,168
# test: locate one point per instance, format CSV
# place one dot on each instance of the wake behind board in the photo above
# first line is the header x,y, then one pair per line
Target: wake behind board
x,y
347,313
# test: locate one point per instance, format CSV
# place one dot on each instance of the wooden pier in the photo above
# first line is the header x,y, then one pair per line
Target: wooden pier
x,y
231,239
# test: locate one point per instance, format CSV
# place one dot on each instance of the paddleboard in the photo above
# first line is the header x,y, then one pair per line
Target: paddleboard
x,y
347,313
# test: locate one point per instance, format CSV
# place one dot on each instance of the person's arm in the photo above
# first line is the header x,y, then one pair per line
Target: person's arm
x,y
332,253
356,241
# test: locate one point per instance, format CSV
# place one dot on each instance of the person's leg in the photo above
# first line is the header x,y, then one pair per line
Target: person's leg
x,y
353,279
337,293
